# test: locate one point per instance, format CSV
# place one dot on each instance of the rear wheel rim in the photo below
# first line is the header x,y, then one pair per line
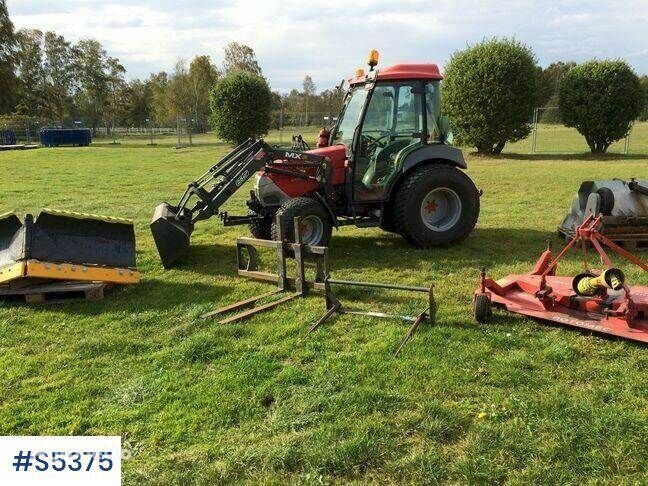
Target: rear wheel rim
x,y
311,230
441,209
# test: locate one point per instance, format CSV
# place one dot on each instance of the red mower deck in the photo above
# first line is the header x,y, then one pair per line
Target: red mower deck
x,y
543,295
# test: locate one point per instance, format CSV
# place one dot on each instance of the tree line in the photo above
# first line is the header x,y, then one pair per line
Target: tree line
x,y
45,77
491,88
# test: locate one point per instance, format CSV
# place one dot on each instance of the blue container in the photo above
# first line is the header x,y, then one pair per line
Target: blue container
x,y
7,137
53,137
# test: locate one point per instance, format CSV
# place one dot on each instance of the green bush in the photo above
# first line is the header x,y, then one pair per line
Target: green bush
x,y
241,104
600,99
489,92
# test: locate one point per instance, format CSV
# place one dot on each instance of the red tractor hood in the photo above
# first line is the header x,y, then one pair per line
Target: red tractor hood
x,y
337,154
295,187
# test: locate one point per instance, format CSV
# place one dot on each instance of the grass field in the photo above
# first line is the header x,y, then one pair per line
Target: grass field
x,y
263,402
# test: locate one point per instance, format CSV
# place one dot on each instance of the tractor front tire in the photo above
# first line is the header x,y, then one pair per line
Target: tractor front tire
x,y
261,228
436,205
315,222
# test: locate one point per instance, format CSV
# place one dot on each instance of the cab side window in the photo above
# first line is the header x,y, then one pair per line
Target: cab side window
x,y
432,111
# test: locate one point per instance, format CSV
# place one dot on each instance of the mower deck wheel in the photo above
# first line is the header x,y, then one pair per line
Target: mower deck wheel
x,y
482,308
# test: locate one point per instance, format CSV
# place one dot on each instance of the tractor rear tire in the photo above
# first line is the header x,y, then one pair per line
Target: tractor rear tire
x,y
607,200
314,218
387,224
262,228
436,205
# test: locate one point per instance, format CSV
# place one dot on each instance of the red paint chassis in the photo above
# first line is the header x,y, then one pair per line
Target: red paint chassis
x,y
543,295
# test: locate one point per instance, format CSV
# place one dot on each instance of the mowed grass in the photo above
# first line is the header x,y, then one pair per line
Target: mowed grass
x,y
514,401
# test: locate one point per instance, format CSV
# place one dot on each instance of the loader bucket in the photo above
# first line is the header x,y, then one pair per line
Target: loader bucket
x,y
171,233
56,242
11,239
61,236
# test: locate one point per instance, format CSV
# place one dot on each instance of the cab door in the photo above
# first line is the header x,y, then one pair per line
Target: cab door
x,y
393,120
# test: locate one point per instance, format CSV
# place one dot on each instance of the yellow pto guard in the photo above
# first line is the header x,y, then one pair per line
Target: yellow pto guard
x,y
61,245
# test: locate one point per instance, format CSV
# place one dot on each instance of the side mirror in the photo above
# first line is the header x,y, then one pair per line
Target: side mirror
x,y
323,138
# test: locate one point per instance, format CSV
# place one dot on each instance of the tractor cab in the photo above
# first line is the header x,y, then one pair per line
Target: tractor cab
x,y
387,114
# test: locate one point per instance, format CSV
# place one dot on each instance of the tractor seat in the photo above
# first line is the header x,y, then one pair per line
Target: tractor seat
x,y
382,162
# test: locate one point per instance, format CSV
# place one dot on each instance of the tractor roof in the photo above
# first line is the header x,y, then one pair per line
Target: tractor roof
x,y
403,71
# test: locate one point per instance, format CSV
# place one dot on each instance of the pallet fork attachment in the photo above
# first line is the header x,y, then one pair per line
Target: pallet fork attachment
x,y
334,306
248,267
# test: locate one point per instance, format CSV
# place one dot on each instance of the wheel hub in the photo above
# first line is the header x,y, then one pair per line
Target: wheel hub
x,y
311,230
441,209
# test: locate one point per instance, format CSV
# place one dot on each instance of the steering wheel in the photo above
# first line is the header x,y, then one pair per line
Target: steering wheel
x,y
374,143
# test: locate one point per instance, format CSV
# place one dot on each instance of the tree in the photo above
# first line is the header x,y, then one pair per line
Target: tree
x,y
489,92
308,92
158,85
61,71
203,76
241,104
644,85
92,66
601,99
137,99
239,57
115,105
549,80
7,52
179,99
31,76
331,101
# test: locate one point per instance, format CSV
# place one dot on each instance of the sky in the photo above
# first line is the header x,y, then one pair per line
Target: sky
x,y
330,39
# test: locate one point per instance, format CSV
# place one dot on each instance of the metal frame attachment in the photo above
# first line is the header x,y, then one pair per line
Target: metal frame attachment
x,y
334,306
247,257
248,266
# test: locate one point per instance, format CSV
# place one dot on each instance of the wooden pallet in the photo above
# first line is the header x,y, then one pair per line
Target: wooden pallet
x,y
54,292
20,146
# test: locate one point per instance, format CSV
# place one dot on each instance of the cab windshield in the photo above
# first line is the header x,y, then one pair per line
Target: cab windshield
x,y
350,116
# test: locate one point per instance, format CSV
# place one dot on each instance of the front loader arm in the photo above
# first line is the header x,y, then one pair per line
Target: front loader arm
x,y
172,225
238,166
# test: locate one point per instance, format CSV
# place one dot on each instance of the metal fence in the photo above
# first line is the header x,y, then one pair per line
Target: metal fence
x,y
550,135
27,130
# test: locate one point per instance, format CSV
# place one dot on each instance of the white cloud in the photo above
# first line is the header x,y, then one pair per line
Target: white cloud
x,y
293,38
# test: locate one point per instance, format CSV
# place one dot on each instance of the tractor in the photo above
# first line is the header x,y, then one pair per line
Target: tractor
x,y
387,162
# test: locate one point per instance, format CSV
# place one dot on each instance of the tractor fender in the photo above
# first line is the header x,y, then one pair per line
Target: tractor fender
x,y
430,154
329,210
446,153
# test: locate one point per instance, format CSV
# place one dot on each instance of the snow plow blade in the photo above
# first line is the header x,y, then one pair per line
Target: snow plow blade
x,y
171,233
63,245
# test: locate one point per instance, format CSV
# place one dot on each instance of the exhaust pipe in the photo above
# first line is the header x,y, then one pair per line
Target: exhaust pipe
x,y
171,230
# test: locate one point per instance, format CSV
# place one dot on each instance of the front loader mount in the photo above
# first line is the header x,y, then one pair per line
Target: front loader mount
x,y
172,225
